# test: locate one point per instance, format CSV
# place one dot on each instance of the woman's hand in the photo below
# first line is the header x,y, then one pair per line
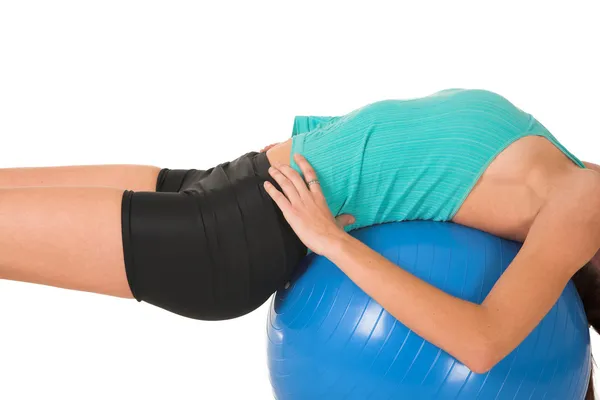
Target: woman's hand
x,y
304,207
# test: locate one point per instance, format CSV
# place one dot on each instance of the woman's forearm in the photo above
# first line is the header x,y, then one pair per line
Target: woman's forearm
x,y
455,325
564,236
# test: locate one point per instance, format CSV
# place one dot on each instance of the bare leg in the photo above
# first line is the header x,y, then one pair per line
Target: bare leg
x,y
67,237
132,177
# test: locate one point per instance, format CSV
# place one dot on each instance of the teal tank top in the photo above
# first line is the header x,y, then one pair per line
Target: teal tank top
x,y
413,159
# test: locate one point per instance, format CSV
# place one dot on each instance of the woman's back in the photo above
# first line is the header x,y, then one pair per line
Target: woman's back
x,y
421,158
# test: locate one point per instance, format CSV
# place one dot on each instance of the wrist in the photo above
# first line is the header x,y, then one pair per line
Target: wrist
x,y
336,243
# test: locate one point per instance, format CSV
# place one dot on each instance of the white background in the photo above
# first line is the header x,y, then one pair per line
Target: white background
x,y
189,84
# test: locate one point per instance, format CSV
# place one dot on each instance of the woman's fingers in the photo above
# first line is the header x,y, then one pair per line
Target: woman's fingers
x,y
293,185
282,202
287,186
344,220
309,173
296,179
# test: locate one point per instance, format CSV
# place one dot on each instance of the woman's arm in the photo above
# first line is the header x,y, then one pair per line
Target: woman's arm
x,y
477,335
564,236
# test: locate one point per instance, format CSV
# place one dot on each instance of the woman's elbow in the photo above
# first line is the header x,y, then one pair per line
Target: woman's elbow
x,y
481,359
481,366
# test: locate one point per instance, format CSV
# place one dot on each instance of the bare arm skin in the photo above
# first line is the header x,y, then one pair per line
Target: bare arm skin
x,y
563,237
561,240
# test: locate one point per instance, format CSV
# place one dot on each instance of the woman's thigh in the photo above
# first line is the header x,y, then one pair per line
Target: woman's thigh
x,y
68,237
132,177
213,246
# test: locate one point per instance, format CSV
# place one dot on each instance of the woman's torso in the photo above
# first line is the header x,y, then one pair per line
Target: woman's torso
x,y
469,156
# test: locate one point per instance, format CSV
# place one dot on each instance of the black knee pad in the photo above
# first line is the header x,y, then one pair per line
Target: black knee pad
x,y
210,244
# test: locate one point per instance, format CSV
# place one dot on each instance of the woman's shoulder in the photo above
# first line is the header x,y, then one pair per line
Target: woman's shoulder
x,y
578,191
567,228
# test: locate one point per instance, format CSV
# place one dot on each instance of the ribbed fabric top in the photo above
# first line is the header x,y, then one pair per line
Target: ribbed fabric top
x,y
412,159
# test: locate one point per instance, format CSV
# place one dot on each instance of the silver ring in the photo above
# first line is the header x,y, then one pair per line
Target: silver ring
x,y
313,182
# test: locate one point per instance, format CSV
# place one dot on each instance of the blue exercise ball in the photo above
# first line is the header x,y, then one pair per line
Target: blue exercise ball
x,y
328,340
